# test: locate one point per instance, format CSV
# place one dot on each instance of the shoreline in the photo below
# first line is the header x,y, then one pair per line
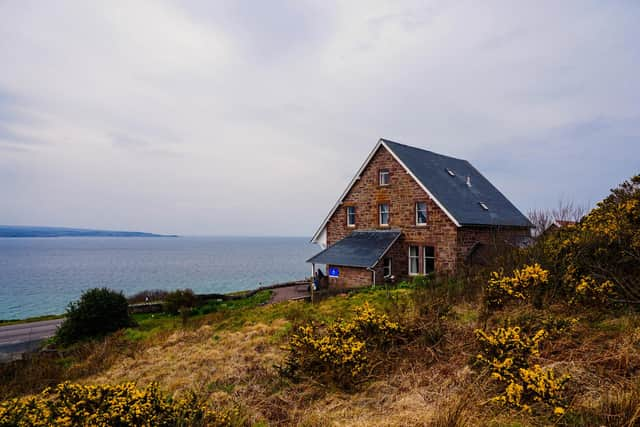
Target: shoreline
x,y
234,295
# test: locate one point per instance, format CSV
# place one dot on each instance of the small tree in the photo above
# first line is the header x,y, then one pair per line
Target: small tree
x,y
99,311
178,300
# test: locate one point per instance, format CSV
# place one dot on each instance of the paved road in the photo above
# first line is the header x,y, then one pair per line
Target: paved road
x,y
16,339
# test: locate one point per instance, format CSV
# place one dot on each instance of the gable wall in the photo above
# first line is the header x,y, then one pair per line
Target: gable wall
x,y
402,194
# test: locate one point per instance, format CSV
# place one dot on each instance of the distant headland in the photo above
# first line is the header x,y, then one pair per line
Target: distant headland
x,y
30,231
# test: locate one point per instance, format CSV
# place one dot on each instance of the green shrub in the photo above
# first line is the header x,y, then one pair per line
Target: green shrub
x,y
178,300
99,311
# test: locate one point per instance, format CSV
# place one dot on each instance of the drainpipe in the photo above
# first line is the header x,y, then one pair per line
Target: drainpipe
x,y
313,272
374,276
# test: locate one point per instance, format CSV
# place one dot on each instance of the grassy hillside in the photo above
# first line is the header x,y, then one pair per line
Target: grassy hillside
x,y
229,359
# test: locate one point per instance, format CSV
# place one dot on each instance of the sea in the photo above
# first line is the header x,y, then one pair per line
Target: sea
x,y
41,276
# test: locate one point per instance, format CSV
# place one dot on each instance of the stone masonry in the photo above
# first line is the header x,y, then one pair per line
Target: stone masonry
x,y
451,244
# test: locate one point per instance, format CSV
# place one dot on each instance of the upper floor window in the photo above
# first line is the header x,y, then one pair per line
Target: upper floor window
x,y
351,216
384,178
414,260
429,259
421,213
383,213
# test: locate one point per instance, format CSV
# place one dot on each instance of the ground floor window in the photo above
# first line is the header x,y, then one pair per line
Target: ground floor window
x,y
386,267
414,260
429,256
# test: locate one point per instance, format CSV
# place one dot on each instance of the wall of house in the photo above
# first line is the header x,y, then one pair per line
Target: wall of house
x,y
493,238
402,193
350,277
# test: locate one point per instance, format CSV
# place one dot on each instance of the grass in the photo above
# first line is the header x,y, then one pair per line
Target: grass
x,y
227,352
31,319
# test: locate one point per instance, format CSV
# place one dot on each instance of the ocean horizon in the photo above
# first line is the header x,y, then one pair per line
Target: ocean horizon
x,y
41,276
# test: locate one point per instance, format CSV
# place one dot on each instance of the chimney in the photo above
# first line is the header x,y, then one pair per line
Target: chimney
x,y
468,181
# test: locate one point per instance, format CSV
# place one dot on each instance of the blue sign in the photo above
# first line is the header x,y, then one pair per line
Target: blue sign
x,y
334,272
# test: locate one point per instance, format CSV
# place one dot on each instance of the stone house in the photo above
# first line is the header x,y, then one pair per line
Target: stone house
x,y
410,211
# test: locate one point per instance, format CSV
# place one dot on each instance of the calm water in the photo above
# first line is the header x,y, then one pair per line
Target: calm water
x,y
42,275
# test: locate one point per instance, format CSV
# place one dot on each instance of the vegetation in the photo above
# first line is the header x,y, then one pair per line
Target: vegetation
x,y
546,335
122,405
99,311
344,352
179,300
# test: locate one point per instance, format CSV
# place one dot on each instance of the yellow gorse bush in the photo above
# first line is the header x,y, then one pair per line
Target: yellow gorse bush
x,y
339,354
500,288
70,405
588,291
598,259
507,352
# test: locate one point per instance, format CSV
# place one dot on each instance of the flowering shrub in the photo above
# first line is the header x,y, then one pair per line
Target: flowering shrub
x,y
506,351
339,354
555,327
599,257
590,292
70,404
501,288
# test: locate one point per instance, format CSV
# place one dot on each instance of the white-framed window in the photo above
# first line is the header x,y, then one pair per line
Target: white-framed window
x,y
414,260
383,213
384,177
386,267
429,259
351,216
421,213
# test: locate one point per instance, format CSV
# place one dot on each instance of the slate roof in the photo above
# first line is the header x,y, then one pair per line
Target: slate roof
x,y
462,201
359,249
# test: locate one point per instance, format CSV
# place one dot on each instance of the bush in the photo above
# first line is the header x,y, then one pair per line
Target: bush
x,y
340,354
179,300
597,261
123,405
506,352
500,288
99,311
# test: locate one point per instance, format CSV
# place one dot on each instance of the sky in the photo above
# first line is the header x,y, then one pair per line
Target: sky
x,y
250,118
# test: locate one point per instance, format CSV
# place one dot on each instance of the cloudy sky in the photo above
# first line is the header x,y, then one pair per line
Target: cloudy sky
x,y
250,117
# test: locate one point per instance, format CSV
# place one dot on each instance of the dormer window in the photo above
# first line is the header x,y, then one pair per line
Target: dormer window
x,y
383,177
483,206
383,214
450,172
351,216
421,213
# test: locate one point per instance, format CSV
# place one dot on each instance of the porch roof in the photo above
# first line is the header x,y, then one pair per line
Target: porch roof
x,y
359,249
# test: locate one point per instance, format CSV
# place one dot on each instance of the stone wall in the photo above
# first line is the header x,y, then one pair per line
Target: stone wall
x,y
350,277
451,244
402,194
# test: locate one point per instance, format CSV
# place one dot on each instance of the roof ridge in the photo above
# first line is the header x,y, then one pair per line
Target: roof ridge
x,y
424,149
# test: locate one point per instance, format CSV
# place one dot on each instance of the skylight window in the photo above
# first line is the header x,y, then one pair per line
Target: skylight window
x,y
483,206
450,172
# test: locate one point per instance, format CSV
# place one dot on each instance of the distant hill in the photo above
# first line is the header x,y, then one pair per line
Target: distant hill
x,y
29,231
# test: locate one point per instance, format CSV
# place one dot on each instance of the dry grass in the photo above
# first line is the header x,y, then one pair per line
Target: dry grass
x,y
229,359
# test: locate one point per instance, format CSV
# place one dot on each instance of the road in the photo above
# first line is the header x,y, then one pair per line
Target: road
x,y
16,339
